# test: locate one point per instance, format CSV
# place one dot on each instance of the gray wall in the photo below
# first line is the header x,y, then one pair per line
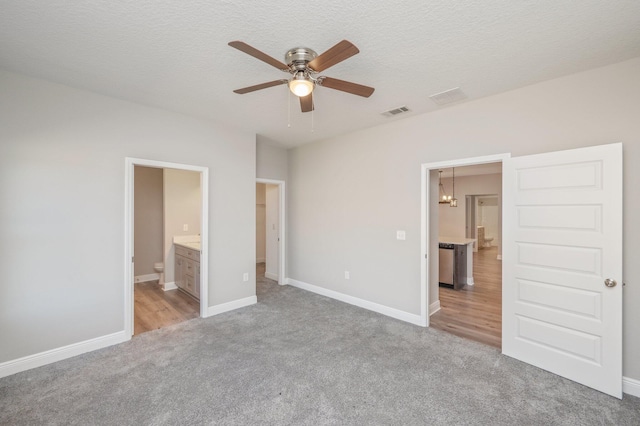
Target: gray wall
x,y
348,195
62,173
271,160
148,219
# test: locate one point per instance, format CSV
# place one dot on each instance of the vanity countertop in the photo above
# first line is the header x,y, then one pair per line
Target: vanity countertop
x,y
189,245
188,241
456,240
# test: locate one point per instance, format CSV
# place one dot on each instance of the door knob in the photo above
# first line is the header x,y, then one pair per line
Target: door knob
x,y
610,283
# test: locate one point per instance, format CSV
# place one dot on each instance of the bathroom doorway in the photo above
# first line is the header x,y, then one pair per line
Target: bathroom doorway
x,y
482,220
166,260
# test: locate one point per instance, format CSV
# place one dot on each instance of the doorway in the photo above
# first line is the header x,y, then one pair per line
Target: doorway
x,y
473,307
270,231
184,220
430,226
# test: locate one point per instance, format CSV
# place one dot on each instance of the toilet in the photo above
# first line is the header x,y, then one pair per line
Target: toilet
x,y
159,268
487,241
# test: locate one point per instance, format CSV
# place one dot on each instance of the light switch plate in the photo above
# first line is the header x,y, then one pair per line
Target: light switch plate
x,y
245,276
185,227
401,235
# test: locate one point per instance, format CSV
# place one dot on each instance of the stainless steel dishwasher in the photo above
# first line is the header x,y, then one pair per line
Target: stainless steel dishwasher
x,y
446,261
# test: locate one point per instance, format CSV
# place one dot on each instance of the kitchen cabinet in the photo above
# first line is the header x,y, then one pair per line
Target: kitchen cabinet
x,y
187,270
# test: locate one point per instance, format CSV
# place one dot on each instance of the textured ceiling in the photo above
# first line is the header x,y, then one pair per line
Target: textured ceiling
x,y
174,54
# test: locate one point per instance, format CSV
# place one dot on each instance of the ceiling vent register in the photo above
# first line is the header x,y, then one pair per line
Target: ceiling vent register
x,y
396,111
448,96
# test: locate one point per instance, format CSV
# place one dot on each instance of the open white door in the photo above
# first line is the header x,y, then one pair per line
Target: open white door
x,y
562,264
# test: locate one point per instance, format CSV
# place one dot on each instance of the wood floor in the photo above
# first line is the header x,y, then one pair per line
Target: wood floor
x,y
155,308
475,312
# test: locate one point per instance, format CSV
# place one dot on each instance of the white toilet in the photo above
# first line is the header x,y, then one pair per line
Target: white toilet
x,y
487,241
159,268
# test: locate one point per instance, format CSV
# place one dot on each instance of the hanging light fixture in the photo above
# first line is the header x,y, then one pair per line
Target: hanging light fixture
x,y
454,201
444,198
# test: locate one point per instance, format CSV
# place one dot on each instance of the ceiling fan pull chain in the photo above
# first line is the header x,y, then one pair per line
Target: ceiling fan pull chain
x,y
313,112
289,108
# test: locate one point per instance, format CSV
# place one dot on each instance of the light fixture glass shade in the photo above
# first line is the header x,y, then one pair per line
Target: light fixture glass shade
x,y
300,85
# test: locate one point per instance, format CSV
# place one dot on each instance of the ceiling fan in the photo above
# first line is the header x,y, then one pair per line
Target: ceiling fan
x,y
304,65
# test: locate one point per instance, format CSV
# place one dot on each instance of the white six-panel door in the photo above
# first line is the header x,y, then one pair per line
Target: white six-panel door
x,y
562,223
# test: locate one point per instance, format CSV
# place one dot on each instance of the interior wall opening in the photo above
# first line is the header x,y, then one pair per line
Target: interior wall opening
x,y
165,240
469,241
269,233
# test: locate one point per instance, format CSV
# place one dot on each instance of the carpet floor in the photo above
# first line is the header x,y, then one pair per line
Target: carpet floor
x,y
297,358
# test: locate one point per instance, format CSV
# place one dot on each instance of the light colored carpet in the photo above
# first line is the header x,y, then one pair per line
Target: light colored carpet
x,y
297,358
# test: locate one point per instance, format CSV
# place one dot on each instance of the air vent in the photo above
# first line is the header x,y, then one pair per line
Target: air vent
x,y
396,111
448,96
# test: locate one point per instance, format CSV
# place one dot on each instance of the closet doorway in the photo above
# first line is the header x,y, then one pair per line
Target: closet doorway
x,y
270,231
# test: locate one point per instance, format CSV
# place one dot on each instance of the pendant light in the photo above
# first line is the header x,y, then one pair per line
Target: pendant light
x,y
444,198
454,200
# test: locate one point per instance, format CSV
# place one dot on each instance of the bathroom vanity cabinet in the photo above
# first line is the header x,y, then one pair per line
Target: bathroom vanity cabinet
x,y
187,269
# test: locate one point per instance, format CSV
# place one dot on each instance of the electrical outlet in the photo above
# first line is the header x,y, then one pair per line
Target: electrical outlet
x,y
347,275
245,276
401,235
185,227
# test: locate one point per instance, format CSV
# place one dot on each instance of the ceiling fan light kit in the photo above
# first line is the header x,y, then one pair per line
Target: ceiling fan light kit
x,y
304,65
300,85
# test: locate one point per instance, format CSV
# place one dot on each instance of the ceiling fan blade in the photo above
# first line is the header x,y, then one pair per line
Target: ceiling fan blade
x,y
244,47
306,103
346,86
338,53
260,86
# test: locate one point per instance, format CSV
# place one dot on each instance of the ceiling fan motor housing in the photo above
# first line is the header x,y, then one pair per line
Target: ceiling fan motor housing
x,y
298,58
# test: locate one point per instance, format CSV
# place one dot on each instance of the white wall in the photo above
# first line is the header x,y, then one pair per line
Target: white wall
x,y
148,219
182,206
62,179
272,230
348,195
261,227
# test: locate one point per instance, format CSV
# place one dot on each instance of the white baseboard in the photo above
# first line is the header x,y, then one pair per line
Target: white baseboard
x,y
631,386
469,281
230,306
145,278
271,276
434,307
261,260
375,307
54,355
169,286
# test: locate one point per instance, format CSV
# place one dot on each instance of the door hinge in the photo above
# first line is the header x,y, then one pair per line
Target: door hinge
x,y
425,255
132,259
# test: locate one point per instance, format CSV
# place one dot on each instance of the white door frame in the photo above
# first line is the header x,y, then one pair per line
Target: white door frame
x,y
281,226
425,237
130,163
